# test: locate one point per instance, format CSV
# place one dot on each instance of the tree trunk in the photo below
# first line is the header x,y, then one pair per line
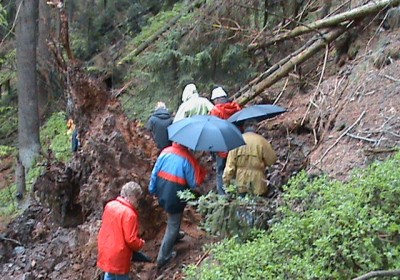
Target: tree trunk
x,y
44,60
356,13
71,10
28,116
283,70
89,27
20,179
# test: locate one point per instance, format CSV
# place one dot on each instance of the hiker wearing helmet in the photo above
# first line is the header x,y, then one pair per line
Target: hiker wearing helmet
x,y
224,108
192,104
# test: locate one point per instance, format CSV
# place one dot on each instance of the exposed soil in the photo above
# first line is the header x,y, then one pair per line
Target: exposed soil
x,y
353,119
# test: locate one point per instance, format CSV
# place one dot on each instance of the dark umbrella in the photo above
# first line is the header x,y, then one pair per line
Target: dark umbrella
x,y
206,133
257,112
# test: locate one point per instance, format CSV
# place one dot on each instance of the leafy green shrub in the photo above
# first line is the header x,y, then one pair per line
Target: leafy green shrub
x,y
54,136
325,229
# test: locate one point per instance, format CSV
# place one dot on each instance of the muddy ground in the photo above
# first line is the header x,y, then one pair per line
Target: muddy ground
x,y
352,119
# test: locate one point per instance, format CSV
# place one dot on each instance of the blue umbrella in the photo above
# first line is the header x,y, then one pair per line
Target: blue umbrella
x,y
257,112
206,133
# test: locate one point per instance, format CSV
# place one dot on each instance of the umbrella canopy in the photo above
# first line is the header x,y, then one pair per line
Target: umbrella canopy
x,y
206,133
257,112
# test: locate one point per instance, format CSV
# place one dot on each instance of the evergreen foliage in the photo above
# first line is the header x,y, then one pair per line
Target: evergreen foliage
x,y
7,62
3,16
232,216
8,122
325,229
191,51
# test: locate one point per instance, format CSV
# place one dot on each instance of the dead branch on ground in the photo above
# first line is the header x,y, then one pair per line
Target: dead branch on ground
x,y
340,137
318,85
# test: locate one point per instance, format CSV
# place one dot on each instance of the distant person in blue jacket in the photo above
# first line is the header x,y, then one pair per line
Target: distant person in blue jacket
x,y
157,125
176,169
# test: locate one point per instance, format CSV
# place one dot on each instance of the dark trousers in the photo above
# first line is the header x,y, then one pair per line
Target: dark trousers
x,y
221,162
171,233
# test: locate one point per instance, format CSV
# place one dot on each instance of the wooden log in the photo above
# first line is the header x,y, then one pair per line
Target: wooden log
x,y
334,20
284,69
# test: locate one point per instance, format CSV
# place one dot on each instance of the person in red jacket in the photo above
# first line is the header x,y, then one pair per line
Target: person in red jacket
x,y
118,236
223,108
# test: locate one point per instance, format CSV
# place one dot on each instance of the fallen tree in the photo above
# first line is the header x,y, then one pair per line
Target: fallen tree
x,y
282,70
334,20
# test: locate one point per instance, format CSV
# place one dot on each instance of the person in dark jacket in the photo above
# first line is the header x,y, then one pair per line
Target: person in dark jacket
x,y
158,123
176,169
223,109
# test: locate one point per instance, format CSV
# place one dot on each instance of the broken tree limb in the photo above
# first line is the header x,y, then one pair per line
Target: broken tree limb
x,y
283,70
353,14
273,68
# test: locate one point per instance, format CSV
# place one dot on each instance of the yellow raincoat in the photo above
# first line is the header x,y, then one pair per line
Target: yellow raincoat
x,y
246,164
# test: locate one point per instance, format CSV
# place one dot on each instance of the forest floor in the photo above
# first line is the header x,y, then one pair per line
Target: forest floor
x,y
356,115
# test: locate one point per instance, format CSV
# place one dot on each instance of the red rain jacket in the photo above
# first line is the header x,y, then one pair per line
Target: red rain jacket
x,y
118,237
224,111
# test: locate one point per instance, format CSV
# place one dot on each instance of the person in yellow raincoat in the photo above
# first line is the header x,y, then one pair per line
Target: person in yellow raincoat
x,y
246,165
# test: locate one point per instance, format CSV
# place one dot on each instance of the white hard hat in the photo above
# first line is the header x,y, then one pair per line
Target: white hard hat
x,y
217,93
188,92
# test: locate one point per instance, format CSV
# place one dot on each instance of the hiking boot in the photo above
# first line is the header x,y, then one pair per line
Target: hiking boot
x,y
140,257
180,236
162,264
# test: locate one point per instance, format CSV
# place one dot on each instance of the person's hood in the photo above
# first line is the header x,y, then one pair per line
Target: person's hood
x,y
162,113
188,92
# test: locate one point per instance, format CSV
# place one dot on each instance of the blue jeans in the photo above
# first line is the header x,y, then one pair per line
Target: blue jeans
x,y
171,233
112,276
221,162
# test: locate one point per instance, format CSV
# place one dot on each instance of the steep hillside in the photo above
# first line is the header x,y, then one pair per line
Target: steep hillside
x,y
339,117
